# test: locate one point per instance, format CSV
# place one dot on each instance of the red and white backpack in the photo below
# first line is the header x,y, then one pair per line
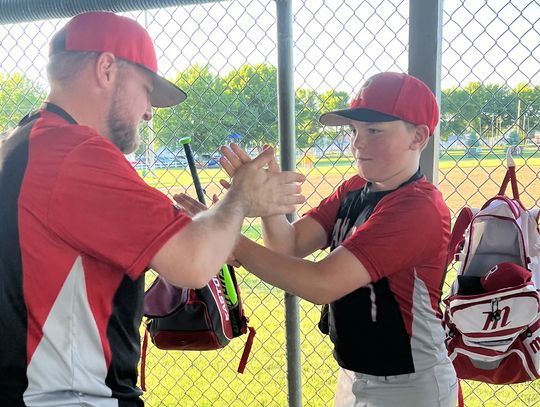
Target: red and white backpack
x,y
492,316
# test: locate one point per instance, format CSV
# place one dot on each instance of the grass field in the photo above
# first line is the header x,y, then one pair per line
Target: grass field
x,y
210,378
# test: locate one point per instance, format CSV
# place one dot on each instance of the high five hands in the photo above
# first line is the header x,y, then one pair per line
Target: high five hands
x,y
260,185
269,191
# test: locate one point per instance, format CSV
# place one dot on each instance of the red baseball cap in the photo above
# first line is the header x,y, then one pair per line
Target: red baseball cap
x,y
505,275
125,38
386,97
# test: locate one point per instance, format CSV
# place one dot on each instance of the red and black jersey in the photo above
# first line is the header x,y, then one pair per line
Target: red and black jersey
x,y
79,228
391,326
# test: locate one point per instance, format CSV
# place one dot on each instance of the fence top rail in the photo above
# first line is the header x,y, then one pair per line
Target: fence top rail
x,y
19,11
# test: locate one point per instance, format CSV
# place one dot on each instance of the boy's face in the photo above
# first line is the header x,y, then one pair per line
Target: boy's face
x,y
386,153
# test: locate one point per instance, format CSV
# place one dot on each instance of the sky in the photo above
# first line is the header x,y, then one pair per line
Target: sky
x,y
338,43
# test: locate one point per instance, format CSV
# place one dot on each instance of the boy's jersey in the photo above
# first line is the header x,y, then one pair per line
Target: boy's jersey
x,y
393,325
79,228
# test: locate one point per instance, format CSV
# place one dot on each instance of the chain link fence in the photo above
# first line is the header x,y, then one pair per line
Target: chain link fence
x,y
225,55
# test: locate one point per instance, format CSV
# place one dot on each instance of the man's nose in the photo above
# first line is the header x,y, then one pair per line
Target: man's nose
x,y
147,116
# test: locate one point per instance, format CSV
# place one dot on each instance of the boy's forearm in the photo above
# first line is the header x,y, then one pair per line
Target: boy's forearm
x,y
294,275
278,234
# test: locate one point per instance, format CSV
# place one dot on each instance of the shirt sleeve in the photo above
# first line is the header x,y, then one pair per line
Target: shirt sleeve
x,y
101,207
326,212
402,233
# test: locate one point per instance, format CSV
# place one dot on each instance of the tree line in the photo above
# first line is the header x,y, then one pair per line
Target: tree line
x,y
243,103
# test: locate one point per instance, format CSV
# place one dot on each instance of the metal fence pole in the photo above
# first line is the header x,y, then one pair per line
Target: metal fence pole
x,y
287,140
425,44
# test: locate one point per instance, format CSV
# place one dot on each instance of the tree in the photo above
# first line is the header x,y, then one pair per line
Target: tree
x,y
473,145
307,115
18,96
203,116
477,107
527,108
513,138
252,104
334,100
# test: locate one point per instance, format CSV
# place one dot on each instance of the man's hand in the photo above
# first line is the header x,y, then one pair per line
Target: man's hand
x,y
258,185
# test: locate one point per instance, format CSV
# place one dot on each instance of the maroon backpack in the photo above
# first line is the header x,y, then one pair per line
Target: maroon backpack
x,y
195,319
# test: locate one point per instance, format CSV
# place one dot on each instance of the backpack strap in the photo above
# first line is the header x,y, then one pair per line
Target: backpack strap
x,y
456,237
510,176
247,350
461,402
143,359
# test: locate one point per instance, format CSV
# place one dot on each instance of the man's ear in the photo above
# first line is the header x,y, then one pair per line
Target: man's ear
x,y
421,137
105,69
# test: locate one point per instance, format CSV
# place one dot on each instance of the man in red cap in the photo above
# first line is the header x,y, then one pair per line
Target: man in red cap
x,y
388,230
80,227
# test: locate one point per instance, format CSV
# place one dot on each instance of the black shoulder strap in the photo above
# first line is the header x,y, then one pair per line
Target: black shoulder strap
x,y
50,107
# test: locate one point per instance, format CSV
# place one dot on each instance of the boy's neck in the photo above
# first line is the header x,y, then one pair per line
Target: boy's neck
x,y
395,181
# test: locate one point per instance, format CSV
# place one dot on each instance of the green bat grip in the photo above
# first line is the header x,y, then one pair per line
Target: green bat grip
x,y
228,286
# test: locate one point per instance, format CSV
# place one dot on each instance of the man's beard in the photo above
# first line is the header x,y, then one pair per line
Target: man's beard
x,y
123,135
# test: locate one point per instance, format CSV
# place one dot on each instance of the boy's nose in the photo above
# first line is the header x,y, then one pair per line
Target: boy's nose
x,y
359,141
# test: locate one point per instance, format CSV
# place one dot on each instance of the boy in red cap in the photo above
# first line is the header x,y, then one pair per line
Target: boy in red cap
x,y
80,227
388,230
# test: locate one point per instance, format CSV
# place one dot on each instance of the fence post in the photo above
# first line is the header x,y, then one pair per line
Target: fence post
x,y
287,141
425,44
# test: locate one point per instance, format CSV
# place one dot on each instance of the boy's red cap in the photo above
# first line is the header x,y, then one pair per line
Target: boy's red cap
x,y
505,275
126,39
389,96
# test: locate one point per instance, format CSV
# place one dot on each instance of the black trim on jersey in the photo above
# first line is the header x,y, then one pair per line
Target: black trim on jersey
x,y
379,347
13,316
128,305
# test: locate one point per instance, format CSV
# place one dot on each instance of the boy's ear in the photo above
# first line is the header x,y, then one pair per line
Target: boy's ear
x,y
421,137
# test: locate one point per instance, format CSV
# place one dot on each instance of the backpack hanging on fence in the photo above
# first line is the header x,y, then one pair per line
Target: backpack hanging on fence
x,y
492,316
195,319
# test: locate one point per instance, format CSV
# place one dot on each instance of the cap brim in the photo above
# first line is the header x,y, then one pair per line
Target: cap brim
x,y
166,93
344,117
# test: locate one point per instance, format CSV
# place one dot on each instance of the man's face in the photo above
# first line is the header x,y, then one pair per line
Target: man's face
x,y
129,106
383,150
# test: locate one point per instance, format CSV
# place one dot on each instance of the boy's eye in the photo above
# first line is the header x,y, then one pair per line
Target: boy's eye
x,y
373,131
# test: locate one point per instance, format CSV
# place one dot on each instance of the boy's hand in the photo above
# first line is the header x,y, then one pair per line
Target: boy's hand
x,y
191,206
233,157
261,192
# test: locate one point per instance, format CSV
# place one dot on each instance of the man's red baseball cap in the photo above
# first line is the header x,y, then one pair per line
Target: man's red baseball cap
x,y
126,39
505,275
386,97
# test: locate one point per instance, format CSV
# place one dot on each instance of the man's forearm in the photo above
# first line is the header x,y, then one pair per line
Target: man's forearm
x,y
217,230
196,253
